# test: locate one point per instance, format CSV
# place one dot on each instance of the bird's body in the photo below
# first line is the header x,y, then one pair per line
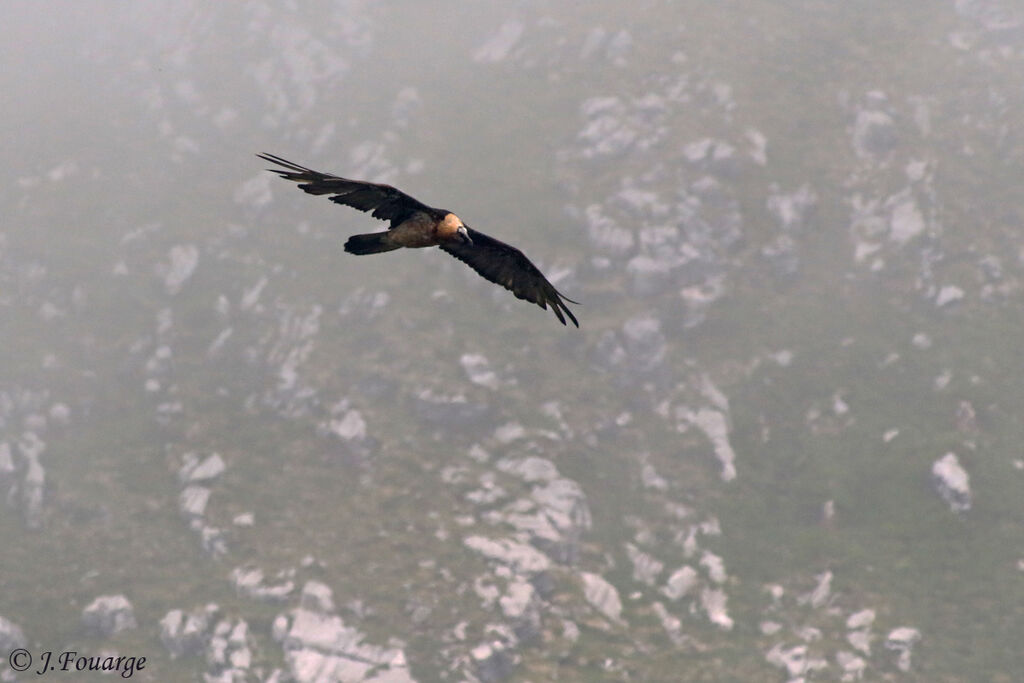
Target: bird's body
x,y
423,230
415,225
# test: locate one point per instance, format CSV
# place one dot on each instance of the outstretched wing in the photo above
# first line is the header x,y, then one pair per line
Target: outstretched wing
x,y
507,266
387,203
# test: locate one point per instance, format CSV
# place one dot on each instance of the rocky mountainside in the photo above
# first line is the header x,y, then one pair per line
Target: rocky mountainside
x,y
784,444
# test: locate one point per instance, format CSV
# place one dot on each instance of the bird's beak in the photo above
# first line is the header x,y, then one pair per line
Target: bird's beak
x,y
464,234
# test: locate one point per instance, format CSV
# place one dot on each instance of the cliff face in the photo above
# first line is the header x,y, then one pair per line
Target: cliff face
x,y
783,445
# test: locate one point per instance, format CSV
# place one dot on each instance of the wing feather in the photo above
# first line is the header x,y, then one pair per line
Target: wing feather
x,y
386,202
505,265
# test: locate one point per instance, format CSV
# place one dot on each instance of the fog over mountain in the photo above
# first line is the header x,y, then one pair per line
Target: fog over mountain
x,y
784,445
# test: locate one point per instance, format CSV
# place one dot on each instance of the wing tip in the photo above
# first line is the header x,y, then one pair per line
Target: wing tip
x,y
273,159
572,318
291,166
556,305
558,302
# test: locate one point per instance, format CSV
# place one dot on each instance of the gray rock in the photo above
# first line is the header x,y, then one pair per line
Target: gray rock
x,y
209,469
367,304
479,370
186,634
860,640
642,204
354,444
317,597
286,352
109,614
192,501
531,469
644,343
244,519
500,45
715,425
218,343
518,596
509,432
492,662
792,660
251,296
651,479
325,632
608,131
724,161
249,581
602,595
520,605
758,145
60,413
672,625
791,210
212,539
167,411
608,353
397,674
905,219
862,619
8,470
649,274
698,150
819,596
995,17
228,652
713,600
449,410
852,665
874,133
11,636
308,666
33,482
619,47
605,234
32,493
682,581
521,557
796,661
714,566
646,568
407,104
595,38
183,261
949,294
952,482
902,640
783,254
320,647
350,427
564,510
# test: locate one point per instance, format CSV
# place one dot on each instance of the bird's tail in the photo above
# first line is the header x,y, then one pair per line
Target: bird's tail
x,y
373,243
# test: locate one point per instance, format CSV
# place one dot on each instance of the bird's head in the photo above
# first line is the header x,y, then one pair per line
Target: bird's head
x,y
452,228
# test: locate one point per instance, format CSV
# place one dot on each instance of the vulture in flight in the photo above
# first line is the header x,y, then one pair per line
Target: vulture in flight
x,y
415,225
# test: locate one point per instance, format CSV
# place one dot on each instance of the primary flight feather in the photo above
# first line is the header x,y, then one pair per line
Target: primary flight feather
x,y
415,225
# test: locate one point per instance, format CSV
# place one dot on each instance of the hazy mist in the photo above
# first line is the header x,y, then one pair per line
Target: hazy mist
x,y
784,444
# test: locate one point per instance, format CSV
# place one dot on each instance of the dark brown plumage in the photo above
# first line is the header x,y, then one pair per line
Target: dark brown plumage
x,y
416,225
